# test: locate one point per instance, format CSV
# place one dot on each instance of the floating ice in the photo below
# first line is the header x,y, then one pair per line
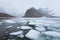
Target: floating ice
x,y
1,23
26,27
16,33
40,28
32,34
9,26
56,25
9,21
52,34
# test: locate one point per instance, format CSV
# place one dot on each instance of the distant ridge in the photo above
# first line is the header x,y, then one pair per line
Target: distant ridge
x,y
5,16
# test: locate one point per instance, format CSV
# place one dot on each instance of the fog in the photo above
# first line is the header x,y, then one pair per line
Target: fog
x,y
19,7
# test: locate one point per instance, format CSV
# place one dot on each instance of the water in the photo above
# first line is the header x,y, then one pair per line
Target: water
x,y
50,24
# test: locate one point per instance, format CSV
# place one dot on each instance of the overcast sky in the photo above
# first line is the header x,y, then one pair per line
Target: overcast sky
x,y
20,6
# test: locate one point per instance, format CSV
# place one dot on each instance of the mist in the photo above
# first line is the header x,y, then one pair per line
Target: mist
x,y
19,7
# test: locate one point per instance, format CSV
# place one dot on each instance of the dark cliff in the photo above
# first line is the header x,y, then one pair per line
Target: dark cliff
x,y
32,12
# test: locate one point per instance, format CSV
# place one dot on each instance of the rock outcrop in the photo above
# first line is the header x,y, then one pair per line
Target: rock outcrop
x,y
32,12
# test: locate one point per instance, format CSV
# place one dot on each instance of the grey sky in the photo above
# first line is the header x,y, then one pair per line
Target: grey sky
x,y
20,6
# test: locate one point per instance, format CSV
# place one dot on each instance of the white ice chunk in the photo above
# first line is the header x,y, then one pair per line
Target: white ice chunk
x,y
21,35
53,29
26,27
34,23
23,22
9,26
1,23
33,34
56,25
56,38
16,33
18,27
40,29
9,21
52,33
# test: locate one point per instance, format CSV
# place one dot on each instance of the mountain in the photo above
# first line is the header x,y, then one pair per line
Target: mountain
x,y
32,12
5,16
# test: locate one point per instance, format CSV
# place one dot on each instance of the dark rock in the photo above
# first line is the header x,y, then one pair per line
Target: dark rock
x,y
5,16
32,12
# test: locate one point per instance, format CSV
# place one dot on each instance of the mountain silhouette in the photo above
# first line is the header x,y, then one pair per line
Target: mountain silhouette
x,y
32,12
5,16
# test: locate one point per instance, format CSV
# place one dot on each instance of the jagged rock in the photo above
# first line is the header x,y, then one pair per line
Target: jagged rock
x,y
32,12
